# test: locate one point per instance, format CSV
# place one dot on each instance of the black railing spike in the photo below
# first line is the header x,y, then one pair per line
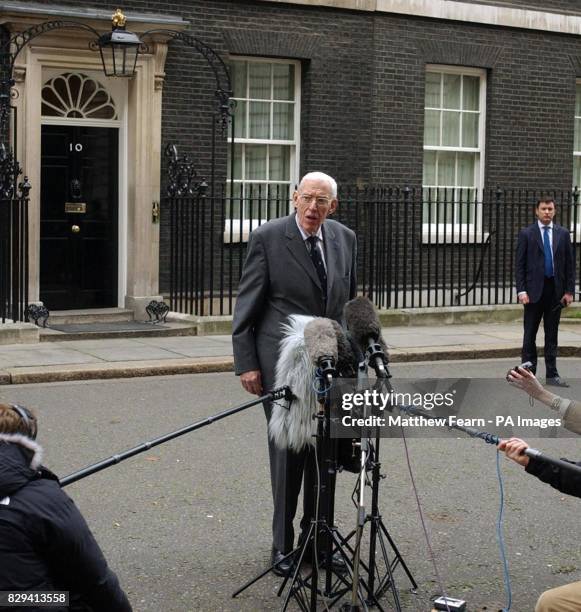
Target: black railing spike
x,y
576,194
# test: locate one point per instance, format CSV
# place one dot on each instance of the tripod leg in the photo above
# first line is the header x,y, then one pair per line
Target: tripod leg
x,y
261,575
388,582
297,582
398,555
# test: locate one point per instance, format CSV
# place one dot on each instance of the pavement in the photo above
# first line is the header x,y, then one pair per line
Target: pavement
x,y
155,356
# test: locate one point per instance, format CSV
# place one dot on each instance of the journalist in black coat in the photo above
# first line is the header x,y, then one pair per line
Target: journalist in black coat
x,y
45,543
543,285
280,279
568,596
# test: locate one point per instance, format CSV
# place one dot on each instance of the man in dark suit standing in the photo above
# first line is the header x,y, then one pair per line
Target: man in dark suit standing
x,y
300,264
545,283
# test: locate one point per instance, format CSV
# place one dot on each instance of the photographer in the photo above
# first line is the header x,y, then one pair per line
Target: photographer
x,y
45,544
569,410
566,598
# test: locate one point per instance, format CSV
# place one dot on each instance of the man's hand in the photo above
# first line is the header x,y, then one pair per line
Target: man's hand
x,y
514,449
567,299
252,382
523,298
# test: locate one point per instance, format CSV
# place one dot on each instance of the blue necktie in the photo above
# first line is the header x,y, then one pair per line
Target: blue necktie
x,y
549,273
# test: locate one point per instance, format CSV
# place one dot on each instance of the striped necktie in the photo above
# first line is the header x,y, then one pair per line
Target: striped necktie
x,y
318,263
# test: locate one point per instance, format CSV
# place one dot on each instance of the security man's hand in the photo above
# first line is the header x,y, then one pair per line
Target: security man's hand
x,y
523,298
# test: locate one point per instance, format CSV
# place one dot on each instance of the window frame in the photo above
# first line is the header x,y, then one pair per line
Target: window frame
x,y
232,230
453,231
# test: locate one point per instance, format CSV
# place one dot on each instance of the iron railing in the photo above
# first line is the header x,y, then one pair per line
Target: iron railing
x,y
13,259
417,248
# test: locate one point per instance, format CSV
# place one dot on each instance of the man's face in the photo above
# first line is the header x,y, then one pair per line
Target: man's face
x,y
545,212
313,203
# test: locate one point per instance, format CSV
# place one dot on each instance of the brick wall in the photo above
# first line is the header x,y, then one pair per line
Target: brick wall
x,y
363,88
530,101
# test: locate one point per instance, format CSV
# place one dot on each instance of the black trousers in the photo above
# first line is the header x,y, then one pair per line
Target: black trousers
x,y
546,309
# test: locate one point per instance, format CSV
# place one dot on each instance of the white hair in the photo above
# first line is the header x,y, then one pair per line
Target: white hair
x,y
321,176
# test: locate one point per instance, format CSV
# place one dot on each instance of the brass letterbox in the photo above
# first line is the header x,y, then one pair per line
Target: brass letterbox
x,y
76,207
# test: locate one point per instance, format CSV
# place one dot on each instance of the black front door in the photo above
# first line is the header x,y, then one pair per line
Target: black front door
x,y
78,218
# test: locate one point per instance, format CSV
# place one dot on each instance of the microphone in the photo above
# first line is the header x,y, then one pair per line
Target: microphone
x,y
321,345
348,353
363,324
560,306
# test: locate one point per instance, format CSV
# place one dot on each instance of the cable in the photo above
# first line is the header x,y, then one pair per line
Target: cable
x,y
493,439
315,543
421,514
500,536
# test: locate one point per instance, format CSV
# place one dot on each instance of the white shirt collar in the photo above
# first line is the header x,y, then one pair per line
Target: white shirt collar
x,y
304,234
542,225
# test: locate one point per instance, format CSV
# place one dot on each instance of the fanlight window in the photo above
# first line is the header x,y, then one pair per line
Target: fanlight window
x,y
76,96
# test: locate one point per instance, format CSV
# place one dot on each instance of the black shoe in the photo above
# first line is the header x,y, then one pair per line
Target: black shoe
x,y
338,564
556,381
282,566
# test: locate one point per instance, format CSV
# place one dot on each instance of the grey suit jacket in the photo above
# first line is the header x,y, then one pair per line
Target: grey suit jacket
x,y
279,279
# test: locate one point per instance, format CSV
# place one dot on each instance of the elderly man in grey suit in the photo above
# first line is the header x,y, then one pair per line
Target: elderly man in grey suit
x,y
301,264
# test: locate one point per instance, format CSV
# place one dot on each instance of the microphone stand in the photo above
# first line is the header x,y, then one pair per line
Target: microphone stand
x,y
378,360
280,393
322,534
365,450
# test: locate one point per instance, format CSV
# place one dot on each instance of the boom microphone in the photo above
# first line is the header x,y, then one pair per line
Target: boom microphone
x,y
364,326
321,345
490,438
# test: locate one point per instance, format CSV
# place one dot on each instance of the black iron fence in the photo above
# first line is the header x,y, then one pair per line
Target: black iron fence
x,y
13,213
417,248
13,259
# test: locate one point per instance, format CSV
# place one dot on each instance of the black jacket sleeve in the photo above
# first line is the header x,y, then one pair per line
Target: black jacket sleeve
x,y
521,261
74,557
566,481
252,291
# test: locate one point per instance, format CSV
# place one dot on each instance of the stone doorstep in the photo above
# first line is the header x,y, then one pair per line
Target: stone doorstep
x,y
91,315
52,335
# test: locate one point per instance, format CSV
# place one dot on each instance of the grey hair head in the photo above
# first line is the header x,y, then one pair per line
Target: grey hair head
x,y
321,176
